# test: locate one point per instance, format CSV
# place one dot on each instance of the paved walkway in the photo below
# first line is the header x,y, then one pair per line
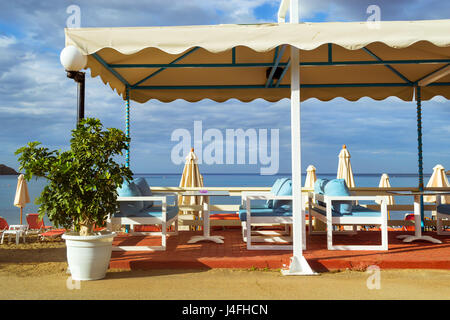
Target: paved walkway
x,y
234,254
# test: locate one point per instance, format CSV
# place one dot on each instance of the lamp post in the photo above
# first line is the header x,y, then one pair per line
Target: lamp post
x,y
73,61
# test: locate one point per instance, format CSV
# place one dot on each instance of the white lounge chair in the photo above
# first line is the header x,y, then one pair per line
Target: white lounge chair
x,y
323,207
146,213
18,230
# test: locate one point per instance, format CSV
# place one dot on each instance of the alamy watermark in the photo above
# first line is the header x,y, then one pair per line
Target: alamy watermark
x,y
374,280
74,19
231,147
373,21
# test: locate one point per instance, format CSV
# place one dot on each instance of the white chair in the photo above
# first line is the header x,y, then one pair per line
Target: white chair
x,y
17,230
164,215
263,215
442,214
321,208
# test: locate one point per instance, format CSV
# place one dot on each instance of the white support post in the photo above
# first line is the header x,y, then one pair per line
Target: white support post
x,y
299,265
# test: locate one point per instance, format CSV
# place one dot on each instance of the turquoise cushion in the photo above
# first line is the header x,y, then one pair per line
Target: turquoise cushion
x,y
284,190
130,190
274,190
265,212
145,190
153,212
444,208
319,187
338,187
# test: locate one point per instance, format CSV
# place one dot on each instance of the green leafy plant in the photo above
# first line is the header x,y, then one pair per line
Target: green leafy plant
x,y
83,181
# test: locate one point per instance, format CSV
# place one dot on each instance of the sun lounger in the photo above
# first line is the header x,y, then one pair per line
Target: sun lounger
x,y
3,225
333,204
52,234
16,230
136,207
36,225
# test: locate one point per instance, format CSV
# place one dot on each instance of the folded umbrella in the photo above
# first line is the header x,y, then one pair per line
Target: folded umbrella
x,y
22,197
438,179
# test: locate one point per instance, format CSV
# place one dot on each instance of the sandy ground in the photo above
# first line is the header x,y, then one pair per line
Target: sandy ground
x,y
38,271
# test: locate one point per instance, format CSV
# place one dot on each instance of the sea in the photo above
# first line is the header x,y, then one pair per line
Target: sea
x,y
11,213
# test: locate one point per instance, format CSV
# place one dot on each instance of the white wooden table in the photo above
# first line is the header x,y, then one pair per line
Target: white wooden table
x,y
417,217
205,212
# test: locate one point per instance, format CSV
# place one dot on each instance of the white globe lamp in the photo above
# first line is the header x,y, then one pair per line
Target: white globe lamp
x,y
72,59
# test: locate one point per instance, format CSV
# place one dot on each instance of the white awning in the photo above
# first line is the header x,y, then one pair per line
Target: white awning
x,y
337,59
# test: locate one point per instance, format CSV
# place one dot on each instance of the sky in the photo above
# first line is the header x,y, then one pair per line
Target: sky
x,y
38,101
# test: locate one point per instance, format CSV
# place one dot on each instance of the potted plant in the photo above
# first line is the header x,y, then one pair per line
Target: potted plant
x,y
81,192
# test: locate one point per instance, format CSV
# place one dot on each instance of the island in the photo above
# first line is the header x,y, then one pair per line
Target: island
x,y
5,170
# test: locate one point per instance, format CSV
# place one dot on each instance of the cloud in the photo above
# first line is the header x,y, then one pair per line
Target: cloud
x,y
38,101
356,10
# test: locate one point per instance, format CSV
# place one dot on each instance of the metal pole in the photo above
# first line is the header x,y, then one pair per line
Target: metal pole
x,y
80,79
419,149
127,125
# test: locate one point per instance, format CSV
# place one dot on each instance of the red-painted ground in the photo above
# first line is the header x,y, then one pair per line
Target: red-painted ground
x,y
234,254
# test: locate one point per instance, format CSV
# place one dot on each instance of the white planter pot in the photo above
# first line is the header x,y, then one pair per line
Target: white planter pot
x,y
88,256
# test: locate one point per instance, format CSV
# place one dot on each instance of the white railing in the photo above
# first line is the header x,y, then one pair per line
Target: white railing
x,y
187,219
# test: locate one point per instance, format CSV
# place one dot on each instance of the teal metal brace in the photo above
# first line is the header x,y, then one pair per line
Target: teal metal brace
x,y
285,69
265,64
107,66
164,68
387,65
330,53
276,61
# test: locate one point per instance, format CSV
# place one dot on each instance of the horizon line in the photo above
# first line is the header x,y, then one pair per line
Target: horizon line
x,y
278,174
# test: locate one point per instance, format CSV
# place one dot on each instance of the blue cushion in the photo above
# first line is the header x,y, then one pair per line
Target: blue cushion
x,y
444,208
265,212
153,212
145,190
274,190
285,189
319,187
357,211
338,187
130,190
